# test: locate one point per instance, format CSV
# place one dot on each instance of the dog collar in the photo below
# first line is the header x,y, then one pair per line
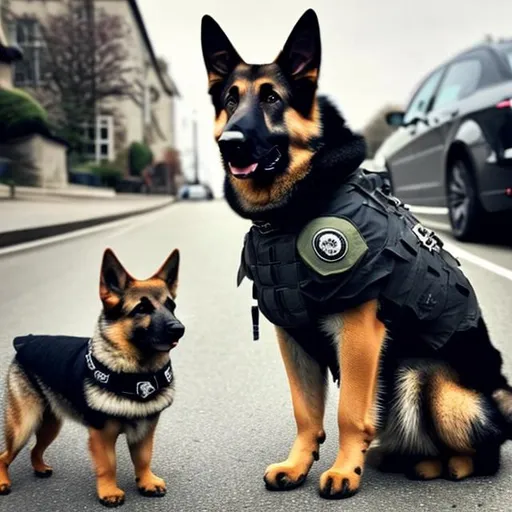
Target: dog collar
x,y
137,386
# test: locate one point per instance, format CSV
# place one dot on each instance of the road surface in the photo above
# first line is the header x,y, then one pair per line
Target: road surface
x,y
232,415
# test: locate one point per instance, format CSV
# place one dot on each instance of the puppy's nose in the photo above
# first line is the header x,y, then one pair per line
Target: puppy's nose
x,y
175,329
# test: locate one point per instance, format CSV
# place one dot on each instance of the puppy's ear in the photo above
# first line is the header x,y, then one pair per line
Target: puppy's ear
x,y
169,272
220,56
114,280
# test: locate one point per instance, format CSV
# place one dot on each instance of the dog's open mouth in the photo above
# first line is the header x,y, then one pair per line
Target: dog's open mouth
x,y
267,163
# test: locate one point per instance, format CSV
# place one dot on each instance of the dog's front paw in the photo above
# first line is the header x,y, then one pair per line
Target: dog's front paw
x,y
151,486
5,489
336,484
112,497
284,476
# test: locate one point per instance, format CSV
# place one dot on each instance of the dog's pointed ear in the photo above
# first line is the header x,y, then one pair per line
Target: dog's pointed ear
x,y
169,272
220,56
114,280
301,54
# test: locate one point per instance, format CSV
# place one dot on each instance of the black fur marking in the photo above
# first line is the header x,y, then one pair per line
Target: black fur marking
x,y
43,474
112,502
358,471
345,492
283,483
321,439
158,492
316,455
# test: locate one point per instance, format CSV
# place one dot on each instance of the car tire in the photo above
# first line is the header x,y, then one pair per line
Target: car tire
x,y
464,209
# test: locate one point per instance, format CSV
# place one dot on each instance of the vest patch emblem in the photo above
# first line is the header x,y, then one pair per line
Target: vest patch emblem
x,y
145,388
330,244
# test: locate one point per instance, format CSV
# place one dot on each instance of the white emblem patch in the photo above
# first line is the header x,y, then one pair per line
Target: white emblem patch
x,y
168,374
101,377
145,388
330,244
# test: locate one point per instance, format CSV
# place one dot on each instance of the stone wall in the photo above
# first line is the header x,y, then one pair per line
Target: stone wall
x,y
37,161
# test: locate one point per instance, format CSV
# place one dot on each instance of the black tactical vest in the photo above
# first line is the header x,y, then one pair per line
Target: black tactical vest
x,y
404,266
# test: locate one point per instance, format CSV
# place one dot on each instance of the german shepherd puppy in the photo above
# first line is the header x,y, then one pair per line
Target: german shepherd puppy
x,y
117,382
435,414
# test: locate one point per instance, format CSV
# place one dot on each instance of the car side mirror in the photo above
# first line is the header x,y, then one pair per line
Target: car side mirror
x,y
395,118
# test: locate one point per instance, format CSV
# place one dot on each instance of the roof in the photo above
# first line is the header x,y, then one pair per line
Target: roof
x,y
167,83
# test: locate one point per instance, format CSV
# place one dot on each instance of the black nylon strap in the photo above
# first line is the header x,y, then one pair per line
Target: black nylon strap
x,y
137,386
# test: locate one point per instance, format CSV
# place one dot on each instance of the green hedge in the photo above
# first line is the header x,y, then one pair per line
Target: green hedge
x,y
20,115
109,173
139,156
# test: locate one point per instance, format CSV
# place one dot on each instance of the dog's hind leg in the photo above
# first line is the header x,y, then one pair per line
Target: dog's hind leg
x,y
23,412
308,386
463,419
45,435
360,338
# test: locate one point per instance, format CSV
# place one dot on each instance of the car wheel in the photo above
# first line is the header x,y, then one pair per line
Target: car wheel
x,y
463,205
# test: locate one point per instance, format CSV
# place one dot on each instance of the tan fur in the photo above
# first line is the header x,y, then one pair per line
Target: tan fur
x,y
460,467
428,469
361,340
307,387
456,410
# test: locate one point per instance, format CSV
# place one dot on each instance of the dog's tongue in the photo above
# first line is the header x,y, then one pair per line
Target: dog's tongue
x,y
242,171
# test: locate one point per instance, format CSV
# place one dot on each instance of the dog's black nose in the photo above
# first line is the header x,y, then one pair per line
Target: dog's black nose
x,y
175,329
234,146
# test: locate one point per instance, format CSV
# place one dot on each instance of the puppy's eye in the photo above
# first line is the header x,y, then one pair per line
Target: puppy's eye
x,y
170,304
144,307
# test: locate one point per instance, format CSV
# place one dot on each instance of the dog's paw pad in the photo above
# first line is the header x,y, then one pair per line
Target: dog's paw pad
x,y
335,485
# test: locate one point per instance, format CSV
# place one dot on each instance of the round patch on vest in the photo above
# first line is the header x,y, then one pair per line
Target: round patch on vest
x,y
330,244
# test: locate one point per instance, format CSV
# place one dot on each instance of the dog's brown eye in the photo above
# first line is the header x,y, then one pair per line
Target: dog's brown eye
x,y
271,97
144,307
231,102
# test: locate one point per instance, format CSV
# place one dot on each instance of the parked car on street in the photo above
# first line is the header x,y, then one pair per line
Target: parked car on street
x,y
453,145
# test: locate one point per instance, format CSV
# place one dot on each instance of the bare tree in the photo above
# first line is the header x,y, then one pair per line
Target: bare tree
x,y
377,129
87,64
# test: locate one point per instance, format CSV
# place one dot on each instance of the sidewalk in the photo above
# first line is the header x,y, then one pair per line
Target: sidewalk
x,y
28,220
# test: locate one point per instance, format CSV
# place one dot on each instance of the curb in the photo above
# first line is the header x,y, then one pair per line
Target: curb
x,y
20,236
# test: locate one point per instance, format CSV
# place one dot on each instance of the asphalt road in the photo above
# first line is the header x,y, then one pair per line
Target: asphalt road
x,y
232,414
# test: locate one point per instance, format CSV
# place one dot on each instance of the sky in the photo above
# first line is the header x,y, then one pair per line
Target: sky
x,y
374,52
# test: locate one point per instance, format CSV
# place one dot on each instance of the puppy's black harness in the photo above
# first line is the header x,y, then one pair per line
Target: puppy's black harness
x,y
65,365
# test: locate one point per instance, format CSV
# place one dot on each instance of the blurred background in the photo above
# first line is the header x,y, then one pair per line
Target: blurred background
x,y
111,95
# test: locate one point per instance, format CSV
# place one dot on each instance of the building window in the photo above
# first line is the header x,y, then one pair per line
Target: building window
x,y
29,72
99,139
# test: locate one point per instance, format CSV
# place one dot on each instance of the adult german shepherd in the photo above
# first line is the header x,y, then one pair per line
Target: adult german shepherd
x,y
351,281
117,382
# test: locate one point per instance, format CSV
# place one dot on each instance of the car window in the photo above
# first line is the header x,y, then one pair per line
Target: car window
x,y
421,100
461,79
508,55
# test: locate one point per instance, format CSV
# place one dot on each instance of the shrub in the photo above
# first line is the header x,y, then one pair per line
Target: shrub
x,y
109,173
139,156
21,114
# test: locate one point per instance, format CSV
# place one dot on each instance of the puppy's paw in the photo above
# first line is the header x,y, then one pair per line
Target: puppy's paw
x,y
336,484
5,489
460,467
151,486
284,476
112,498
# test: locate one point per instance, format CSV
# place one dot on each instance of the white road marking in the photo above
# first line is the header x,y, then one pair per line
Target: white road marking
x,y
428,210
477,260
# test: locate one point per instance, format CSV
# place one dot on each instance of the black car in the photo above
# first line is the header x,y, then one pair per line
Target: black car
x,y
453,145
